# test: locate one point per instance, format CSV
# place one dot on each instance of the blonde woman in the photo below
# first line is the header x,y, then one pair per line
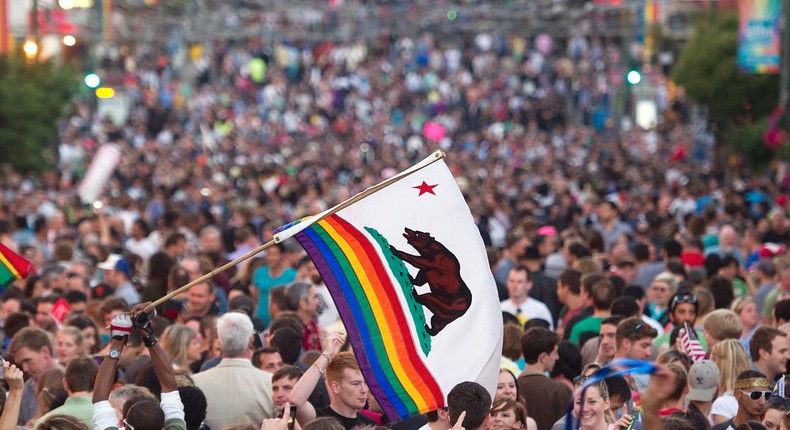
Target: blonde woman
x,y
731,359
593,409
746,309
182,345
69,344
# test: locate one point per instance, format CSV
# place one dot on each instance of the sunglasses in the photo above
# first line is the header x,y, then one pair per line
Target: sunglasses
x,y
755,395
779,401
686,298
126,425
635,329
579,380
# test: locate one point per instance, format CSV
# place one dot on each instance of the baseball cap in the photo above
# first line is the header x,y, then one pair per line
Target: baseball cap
x,y
115,262
703,379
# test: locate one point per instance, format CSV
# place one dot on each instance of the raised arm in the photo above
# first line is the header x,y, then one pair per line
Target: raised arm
x,y
120,329
16,384
163,368
306,384
660,388
103,413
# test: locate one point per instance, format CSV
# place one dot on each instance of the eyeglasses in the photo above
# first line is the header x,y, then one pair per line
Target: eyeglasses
x,y
755,395
126,425
779,401
685,298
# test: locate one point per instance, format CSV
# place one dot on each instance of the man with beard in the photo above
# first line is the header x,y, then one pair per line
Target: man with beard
x,y
327,311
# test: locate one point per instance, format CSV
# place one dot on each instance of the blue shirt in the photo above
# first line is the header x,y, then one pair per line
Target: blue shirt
x,y
263,281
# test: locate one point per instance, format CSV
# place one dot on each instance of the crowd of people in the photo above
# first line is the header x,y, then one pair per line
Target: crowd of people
x,y
605,243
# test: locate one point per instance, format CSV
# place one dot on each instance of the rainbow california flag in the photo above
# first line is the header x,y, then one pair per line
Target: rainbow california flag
x,y
408,271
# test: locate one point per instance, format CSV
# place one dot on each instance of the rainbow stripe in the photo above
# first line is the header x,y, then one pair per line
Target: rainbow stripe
x,y
376,323
12,266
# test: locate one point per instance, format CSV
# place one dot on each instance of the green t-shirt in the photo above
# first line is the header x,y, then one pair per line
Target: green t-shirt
x,y
739,287
591,324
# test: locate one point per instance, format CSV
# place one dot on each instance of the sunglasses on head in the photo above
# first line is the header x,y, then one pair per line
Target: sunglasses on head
x,y
635,329
779,401
685,298
579,380
755,395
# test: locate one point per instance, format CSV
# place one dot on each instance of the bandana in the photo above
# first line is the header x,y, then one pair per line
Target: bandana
x,y
745,384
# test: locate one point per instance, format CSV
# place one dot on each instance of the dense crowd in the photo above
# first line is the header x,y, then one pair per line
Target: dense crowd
x,y
605,243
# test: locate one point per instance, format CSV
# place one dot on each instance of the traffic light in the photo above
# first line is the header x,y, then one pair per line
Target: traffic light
x,y
633,77
92,80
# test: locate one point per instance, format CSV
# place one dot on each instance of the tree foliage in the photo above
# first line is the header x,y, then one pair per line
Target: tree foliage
x,y
33,99
708,70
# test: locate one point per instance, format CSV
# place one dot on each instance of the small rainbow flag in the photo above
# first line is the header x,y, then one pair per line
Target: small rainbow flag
x,y
12,267
408,272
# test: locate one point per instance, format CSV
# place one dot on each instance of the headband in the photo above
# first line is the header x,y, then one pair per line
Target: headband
x,y
745,384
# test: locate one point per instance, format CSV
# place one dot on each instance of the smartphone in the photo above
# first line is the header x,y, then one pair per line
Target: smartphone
x,y
292,418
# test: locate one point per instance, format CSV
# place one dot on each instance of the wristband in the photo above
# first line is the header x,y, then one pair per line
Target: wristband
x,y
328,360
150,341
318,368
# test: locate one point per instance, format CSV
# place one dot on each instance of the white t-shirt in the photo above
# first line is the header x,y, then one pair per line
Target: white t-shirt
x,y
725,406
528,310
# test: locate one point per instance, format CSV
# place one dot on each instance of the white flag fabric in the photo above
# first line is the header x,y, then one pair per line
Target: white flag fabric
x,y
408,271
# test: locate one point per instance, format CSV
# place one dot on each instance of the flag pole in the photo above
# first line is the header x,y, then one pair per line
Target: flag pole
x,y
285,234
209,275
436,156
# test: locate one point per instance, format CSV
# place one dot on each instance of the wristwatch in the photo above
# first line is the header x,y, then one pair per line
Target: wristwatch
x,y
114,354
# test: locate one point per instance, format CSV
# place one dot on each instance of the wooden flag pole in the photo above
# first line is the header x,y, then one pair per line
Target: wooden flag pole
x,y
209,275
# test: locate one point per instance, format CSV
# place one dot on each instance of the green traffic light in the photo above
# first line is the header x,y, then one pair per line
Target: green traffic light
x,y
92,80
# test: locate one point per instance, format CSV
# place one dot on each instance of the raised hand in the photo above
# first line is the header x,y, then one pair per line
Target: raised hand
x,y
14,377
121,327
278,423
141,318
625,421
333,343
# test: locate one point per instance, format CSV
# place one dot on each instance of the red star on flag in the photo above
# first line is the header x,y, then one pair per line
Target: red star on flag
x,y
425,188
